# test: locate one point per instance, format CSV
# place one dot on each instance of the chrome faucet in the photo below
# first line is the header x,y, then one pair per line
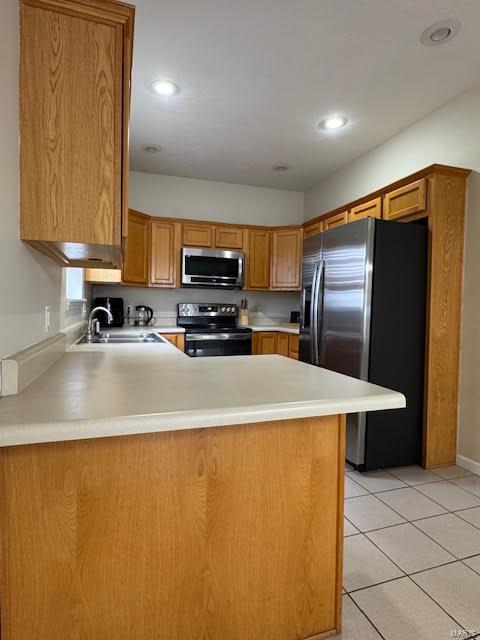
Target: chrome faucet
x,y
94,325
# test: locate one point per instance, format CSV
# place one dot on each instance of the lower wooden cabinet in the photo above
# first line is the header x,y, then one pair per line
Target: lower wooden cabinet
x,y
275,342
282,344
293,341
177,339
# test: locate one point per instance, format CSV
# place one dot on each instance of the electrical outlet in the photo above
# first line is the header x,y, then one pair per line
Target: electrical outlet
x,y
47,319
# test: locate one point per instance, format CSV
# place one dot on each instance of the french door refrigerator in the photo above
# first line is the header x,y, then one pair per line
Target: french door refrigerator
x,y
363,313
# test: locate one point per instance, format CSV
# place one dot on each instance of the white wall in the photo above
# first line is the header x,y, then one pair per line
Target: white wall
x,y
160,195
28,281
450,135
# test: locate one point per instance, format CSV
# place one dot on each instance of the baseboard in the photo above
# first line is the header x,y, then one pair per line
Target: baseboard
x,y
468,463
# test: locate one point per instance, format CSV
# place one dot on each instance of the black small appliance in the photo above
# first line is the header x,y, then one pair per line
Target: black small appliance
x,y
115,306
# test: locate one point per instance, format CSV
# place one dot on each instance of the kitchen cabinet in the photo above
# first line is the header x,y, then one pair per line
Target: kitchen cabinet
x,y
405,201
75,61
282,344
258,259
197,234
264,342
103,276
312,229
293,341
229,238
335,220
136,269
177,339
372,209
165,253
286,259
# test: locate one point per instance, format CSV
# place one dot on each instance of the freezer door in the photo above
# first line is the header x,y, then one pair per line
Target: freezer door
x,y
345,325
312,255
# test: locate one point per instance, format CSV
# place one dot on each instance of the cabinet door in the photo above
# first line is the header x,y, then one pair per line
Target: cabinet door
x,y
136,266
197,235
286,259
258,259
165,253
406,201
312,229
372,209
266,342
177,339
229,238
293,341
103,275
335,221
282,344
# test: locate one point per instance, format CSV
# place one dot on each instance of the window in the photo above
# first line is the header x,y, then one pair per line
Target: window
x,y
74,284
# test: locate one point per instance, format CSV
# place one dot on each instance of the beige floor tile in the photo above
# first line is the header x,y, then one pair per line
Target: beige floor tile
x,y
456,588
400,610
365,565
352,489
471,515
414,475
349,529
355,625
376,480
411,504
473,563
470,483
409,548
367,513
449,495
454,534
451,471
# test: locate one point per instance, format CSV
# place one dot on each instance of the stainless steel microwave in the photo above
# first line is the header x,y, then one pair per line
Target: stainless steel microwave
x,y
212,268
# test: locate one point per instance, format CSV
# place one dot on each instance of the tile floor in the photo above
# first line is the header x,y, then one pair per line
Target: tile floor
x,y
412,554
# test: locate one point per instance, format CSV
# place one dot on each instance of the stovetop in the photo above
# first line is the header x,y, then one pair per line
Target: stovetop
x,y
231,328
209,318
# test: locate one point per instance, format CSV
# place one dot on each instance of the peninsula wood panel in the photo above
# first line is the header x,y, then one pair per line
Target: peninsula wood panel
x,y
372,209
406,201
165,253
229,238
221,533
136,269
197,235
258,259
286,259
335,221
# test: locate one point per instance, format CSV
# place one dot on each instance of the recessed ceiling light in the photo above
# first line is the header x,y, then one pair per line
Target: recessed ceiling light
x,y
440,32
165,88
333,122
280,168
152,148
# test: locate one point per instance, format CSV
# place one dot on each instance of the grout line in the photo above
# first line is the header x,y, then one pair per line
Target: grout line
x,y
355,604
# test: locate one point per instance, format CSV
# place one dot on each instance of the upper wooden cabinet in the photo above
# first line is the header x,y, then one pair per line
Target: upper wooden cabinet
x,y
165,253
312,229
258,259
75,60
136,268
406,201
286,259
229,237
197,234
335,220
372,209
103,276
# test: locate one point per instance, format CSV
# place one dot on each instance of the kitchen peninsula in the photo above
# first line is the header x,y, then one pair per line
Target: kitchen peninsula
x,y
151,496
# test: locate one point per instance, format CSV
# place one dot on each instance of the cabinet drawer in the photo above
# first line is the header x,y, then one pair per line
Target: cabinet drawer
x,y
312,229
370,209
335,221
197,235
229,237
406,201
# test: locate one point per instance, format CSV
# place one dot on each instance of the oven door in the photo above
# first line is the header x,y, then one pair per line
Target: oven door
x,y
212,268
201,345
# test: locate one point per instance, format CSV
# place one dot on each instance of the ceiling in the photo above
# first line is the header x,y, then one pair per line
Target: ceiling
x,y
257,76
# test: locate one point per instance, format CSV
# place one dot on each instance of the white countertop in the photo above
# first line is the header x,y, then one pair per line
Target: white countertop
x,y
109,390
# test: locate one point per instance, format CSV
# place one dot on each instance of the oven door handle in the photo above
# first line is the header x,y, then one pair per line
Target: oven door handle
x,y
199,337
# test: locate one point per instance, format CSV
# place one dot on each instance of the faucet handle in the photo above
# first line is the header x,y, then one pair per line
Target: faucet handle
x,y
96,327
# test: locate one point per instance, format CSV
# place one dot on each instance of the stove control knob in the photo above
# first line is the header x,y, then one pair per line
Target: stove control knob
x,y
223,309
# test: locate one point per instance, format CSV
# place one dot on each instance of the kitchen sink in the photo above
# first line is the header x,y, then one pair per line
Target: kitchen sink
x,y
122,338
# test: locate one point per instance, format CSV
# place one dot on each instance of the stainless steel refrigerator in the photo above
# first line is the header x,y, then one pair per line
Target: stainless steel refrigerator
x,y
363,313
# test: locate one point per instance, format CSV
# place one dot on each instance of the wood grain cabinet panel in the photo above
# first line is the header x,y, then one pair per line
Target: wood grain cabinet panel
x,y
103,275
406,201
177,339
312,229
136,268
258,259
229,238
293,341
265,342
165,253
74,97
335,221
370,209
286,259
197,235
282,344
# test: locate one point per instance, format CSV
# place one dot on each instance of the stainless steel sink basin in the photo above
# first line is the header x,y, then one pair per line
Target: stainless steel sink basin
x,y
122,338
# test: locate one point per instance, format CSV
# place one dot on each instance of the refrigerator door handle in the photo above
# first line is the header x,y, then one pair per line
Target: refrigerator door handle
x,y
319,310
302,307
314,311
